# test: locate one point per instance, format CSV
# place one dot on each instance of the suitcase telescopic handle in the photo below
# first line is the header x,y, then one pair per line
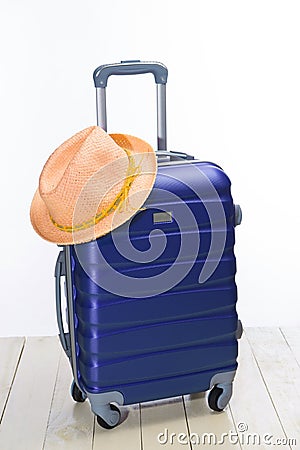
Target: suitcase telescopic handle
x,y
134,67
60,271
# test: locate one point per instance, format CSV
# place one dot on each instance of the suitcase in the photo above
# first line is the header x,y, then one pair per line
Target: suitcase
x,y
151,306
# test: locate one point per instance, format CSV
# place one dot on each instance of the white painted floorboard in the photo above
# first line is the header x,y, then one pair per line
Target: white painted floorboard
x,y
25,418
251,404
281,374
38,412
159,415
202,422
70,424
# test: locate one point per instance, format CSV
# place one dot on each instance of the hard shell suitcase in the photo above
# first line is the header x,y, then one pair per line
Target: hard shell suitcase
x,y
151,306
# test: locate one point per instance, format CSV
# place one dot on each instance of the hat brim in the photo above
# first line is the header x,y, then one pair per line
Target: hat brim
x,y
139,191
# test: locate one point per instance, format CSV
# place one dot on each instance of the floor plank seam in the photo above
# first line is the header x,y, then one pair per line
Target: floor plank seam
x,y
187,422
288,344
234,425
13,379
52,399
94,432
141,427
267,389
140,423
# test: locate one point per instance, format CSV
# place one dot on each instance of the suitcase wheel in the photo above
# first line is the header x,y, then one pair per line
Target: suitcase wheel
x,y
77,395
219,396
114,418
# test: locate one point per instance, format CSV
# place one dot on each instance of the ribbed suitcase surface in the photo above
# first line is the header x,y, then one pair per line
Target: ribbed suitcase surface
x,y
150,336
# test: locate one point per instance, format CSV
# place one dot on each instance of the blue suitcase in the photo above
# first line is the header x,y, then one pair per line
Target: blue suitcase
x,y
151,307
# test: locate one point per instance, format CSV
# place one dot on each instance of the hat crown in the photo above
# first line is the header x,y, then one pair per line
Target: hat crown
x,y
82,176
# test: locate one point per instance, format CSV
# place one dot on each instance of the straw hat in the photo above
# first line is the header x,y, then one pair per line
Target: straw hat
x,y
91,184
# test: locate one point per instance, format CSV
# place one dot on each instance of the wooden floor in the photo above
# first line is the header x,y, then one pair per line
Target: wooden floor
x,y
38,413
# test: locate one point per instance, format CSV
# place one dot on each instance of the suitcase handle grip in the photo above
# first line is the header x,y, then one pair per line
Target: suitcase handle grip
x,y
132,67
60,271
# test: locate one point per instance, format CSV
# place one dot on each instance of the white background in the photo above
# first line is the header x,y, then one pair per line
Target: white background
x,y
233,98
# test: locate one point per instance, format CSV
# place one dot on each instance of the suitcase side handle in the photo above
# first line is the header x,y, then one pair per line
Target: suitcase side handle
x,y
60,271
174,155
134,67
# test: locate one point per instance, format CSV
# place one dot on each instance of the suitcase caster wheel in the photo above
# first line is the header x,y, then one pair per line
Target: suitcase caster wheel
x,y
77,395
113,418
219,396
